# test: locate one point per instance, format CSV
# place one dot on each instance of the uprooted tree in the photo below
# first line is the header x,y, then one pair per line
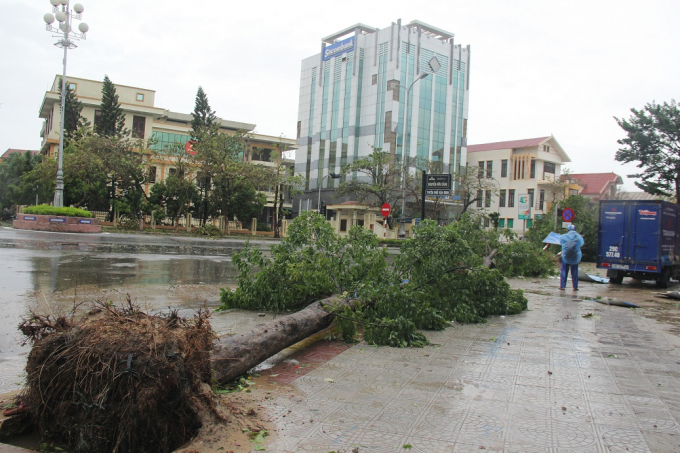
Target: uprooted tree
x,y
437,277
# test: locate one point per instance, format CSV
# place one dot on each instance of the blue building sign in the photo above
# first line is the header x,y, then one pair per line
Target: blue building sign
x,y
338,48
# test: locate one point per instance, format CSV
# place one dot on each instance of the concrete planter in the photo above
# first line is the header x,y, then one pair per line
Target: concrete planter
x,y
57,223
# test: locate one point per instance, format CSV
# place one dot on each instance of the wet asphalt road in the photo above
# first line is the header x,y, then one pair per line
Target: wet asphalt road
x,y
49,272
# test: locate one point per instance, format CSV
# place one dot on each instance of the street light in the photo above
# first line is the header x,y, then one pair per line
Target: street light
x,y
405,155
332,175
63,15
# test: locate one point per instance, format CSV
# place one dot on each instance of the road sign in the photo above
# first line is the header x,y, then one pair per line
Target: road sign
x,y
568,215
438,185
524,207
385,210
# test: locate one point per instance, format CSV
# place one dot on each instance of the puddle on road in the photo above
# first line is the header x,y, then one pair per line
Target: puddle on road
x,y
52,280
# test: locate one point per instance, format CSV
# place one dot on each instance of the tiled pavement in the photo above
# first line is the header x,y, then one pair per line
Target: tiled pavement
x,y
548,380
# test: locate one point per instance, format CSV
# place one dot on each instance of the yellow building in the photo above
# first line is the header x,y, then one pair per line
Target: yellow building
x,y
147,121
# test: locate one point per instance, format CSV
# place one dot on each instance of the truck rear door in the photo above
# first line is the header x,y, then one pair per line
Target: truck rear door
x,y
645,228
612,244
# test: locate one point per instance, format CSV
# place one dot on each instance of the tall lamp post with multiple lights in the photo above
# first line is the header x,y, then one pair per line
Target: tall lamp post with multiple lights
x,y
405,156
64,16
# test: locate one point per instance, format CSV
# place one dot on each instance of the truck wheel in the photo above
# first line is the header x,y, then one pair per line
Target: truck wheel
x,y
663,279
615,277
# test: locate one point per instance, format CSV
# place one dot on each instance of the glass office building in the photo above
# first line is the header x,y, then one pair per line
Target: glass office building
x,y
353,95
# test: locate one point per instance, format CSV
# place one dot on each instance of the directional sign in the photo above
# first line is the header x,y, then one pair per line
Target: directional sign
x,y
524,207
385,210
438,185
568,215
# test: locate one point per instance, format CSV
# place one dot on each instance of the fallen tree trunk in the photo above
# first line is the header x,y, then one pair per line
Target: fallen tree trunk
x,y
234,356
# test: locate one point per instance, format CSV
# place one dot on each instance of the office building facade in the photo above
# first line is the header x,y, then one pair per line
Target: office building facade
x,y
353,93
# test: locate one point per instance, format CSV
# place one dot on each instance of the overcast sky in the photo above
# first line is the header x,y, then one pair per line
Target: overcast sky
x,y
538,67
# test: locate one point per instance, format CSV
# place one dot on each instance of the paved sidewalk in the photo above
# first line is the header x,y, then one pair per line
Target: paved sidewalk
x,y
548,380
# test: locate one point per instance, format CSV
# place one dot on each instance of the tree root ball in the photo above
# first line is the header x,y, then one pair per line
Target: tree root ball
x,y
119,380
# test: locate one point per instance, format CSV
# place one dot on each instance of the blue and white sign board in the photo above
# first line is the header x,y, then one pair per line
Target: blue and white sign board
x,y
338,48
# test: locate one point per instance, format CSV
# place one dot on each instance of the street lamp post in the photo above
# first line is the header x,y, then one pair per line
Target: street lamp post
x,y
404,157
332,175
63,15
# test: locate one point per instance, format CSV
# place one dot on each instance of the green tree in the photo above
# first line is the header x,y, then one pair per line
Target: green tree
x,y
111,122
435,279
653,142
472,184
74,122
221,161
15,185
378,179
203,117
284,182
177,193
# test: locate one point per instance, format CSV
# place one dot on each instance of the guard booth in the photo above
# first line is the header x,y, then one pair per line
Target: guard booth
x,y
345,215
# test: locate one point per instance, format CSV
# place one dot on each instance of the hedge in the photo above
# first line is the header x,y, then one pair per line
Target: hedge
x,y
44,209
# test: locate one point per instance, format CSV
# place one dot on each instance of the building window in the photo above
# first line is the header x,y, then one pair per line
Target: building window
x,y
501,199
481,168
548,167
261,154
489,168
343,225
487,198
72,86
97,118
152,175
501,223
511,198
486,222
140,97
480,197
533,169
511,223
546,148
573,192
531,197
541,199
138,126
504,168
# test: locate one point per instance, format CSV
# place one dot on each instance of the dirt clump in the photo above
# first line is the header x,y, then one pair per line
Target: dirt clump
x,y
120,380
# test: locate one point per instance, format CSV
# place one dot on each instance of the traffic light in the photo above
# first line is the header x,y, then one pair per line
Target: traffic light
x,y
322,211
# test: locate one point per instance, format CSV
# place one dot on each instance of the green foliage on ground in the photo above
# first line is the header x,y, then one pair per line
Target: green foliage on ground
x,y
209,230
521,258
437,278
44,209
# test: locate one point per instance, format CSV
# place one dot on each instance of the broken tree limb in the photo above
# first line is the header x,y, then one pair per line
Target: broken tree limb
x,y
233,356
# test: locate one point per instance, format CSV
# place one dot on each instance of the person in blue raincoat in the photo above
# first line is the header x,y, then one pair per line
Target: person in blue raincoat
x,y
570,261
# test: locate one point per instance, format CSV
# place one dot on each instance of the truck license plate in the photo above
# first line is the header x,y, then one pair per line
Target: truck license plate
x,y
619,266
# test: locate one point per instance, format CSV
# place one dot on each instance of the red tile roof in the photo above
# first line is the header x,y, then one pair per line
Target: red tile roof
x,y
507,145
595,183
7,153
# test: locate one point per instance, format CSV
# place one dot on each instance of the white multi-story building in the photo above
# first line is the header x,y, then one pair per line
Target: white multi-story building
x,y
521,167
352,98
